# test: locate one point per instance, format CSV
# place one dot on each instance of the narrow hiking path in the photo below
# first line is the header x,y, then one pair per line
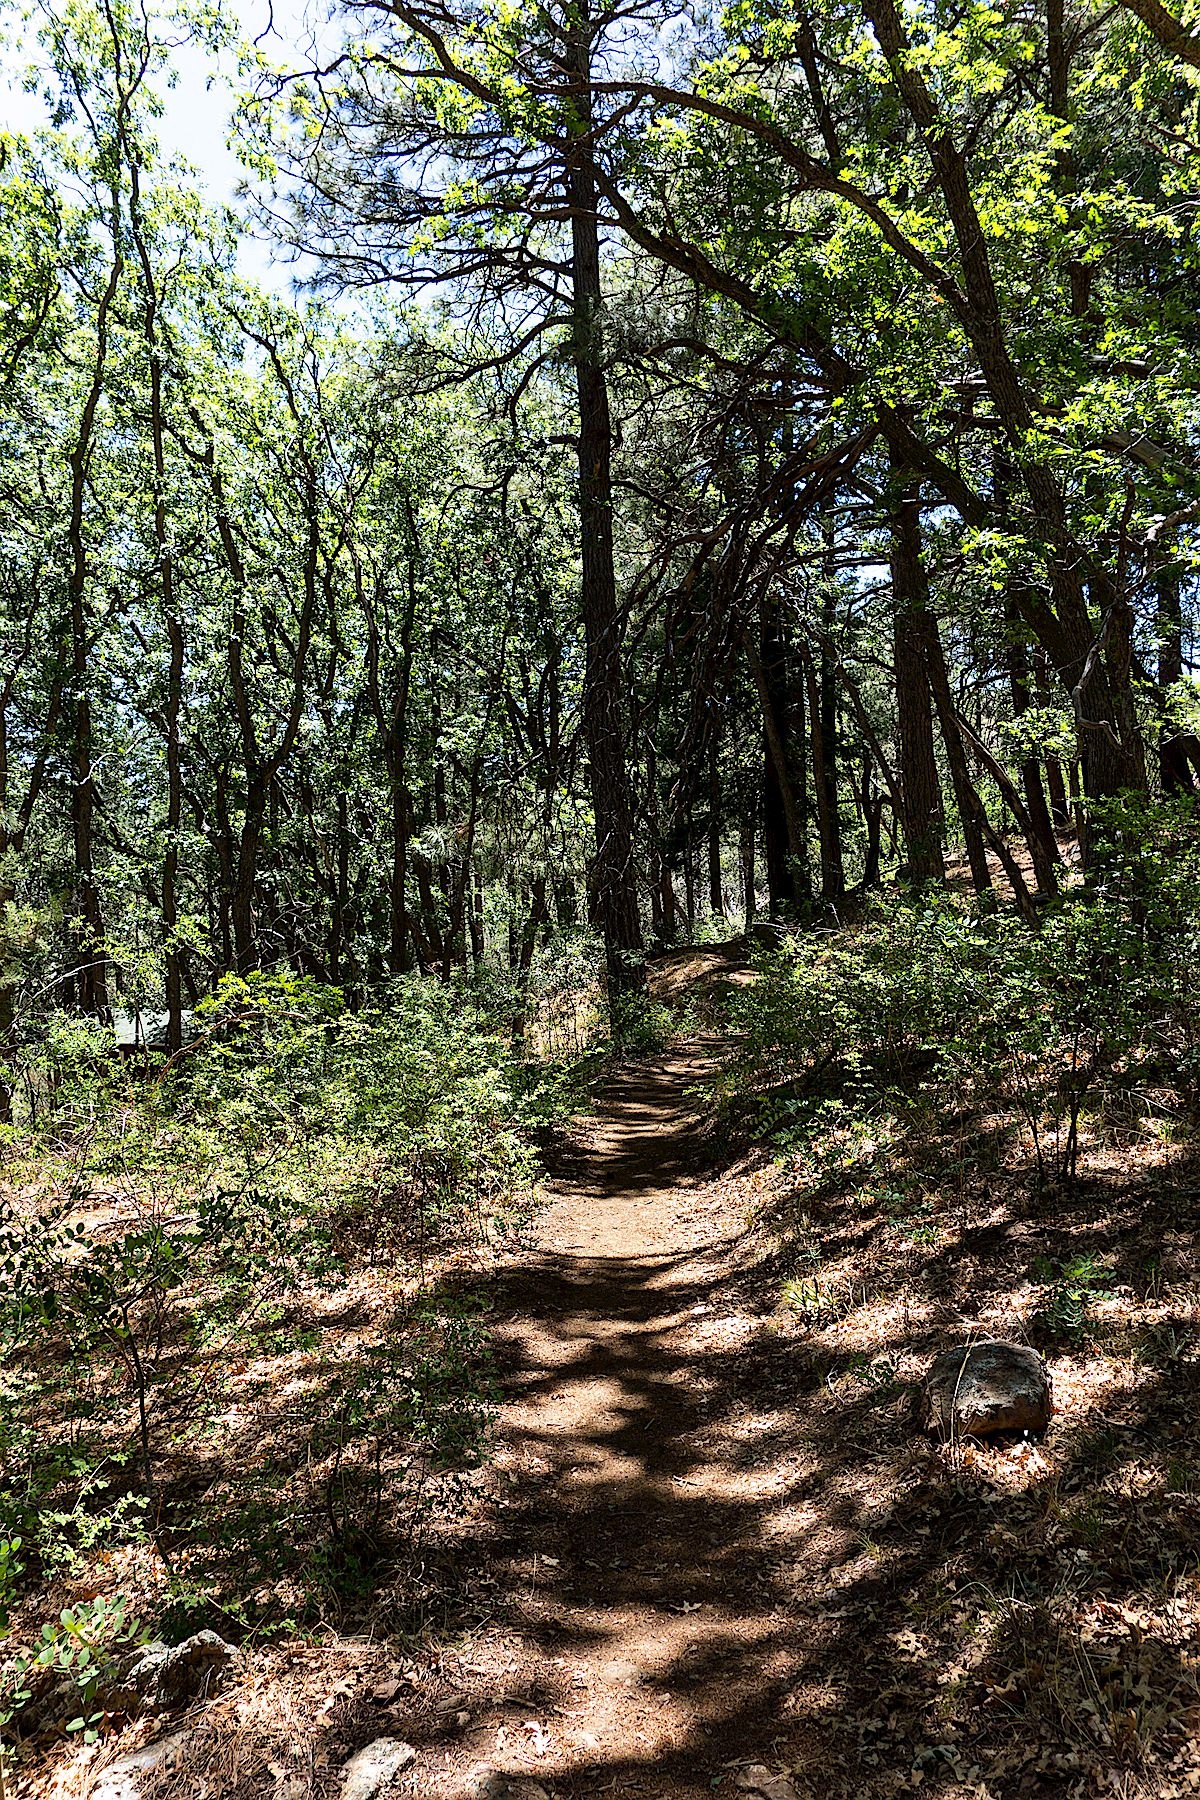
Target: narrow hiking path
x,y
638,1637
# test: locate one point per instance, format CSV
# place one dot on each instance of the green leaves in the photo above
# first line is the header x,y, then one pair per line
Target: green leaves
x,y
84,1646
11,1570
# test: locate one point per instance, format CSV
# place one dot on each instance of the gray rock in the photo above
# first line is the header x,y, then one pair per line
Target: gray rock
x,y
757,1780
985,1389
492,1784
168,1675
371,1769
124,1779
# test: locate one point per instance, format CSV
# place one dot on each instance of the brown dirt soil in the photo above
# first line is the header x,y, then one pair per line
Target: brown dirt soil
x,y
638,1642
711,1537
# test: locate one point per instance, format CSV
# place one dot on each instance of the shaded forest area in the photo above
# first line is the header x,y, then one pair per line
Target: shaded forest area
x,y
785,473
721,478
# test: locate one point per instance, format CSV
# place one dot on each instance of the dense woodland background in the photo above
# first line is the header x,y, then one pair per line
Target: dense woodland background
x,y
722,469
756,460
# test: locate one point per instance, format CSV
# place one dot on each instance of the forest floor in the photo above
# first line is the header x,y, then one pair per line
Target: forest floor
x,y
719,1556
712,1552
637,1620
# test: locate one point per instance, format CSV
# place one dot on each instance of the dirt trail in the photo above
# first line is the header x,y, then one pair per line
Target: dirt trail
x,y
636,1639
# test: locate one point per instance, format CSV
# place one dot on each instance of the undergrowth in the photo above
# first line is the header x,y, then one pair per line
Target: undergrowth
x,y
243,1336
970,1130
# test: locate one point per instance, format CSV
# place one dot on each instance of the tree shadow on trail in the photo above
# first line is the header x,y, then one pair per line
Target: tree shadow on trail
x,y
716,1541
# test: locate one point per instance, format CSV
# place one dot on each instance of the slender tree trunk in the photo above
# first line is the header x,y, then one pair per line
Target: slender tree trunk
x,y
172,621
661,914
785,846
8,974
746,859
261,766
1056,784
833,874
1178,751
1095,669
92,980
920,792
1043,843
432,947
241,907
614,877
341,893
872,806
970,807
822,719
1059,64
400,957
477,938
689,875
716,893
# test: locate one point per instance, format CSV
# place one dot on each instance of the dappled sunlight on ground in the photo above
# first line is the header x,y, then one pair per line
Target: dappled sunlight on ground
x,y
711,1534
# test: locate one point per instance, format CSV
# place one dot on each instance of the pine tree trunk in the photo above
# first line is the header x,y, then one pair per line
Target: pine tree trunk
x,y
614,878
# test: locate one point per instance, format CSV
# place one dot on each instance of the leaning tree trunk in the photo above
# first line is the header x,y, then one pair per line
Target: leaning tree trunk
x,y
970,810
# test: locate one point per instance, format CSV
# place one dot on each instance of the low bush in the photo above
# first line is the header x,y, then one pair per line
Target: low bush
x,y
227,1350
927,999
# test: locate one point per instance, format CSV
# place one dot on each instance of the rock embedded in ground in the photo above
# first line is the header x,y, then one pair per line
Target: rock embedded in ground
x,y
492,1784
371,1769
986,1390
757,1781
170,1675
125,1778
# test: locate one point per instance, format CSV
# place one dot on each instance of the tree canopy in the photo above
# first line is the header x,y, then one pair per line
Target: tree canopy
x,y
723,461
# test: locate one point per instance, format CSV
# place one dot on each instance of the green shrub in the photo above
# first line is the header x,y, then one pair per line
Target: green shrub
x,y
1068,1293
925,998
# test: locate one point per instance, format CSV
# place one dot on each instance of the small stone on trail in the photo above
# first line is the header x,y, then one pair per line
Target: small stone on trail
x,y
371,1769
983,1389
490,1784
757,1780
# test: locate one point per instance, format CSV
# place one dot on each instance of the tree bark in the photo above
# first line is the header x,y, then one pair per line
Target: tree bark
x,y
785,848
716,893
746,858
970,807
1178,751
1043,843
821,733
614,879
172,622
92,983
920,790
